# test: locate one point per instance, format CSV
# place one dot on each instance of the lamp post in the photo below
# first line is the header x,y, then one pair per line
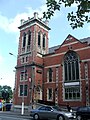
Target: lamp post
x,y
22,112
22,107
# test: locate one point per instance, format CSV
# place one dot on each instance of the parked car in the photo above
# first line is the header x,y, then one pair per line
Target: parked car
x,y
83,113
5,106
8,106
51,112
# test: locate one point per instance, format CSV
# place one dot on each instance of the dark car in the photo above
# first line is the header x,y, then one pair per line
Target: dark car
x,y
8,106
51,112
83,113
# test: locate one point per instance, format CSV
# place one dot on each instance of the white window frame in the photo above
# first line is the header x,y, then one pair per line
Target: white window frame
x,y
50,99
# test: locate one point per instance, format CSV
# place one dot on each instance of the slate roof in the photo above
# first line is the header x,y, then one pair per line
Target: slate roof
x,y
85,40
52,49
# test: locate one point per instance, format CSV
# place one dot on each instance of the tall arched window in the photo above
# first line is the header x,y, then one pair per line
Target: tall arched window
x,y
71,75
29,37
44,40
71,67
39,39
50,75
24,39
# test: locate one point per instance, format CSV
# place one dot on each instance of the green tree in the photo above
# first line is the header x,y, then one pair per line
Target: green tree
x,y
1,88
7,89
77,18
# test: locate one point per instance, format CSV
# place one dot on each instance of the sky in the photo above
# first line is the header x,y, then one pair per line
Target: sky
x,y
11,12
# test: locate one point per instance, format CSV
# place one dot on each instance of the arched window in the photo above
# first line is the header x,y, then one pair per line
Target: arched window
x,y
29,37
44,40
24,39
71,67
49,75
71,75
49,94
39,39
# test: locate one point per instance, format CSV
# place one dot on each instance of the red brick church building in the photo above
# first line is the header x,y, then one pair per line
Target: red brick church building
x,y
60,74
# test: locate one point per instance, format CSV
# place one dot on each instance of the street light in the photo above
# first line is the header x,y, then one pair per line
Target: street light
x,y
22,111
12,54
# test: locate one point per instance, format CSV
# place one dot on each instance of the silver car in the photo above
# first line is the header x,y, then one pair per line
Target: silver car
x,y
51,112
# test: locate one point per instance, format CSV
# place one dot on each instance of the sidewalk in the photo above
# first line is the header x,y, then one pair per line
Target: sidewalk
x,y
15,113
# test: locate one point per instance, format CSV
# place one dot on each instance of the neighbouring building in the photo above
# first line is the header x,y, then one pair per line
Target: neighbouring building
x,y
60,74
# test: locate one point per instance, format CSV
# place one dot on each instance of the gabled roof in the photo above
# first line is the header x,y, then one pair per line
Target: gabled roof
x,y
52,49
34,20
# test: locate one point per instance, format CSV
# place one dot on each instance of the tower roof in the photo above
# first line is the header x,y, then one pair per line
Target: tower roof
x,y
33,20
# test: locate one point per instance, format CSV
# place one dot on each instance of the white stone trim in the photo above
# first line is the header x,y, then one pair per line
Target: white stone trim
x,y
69,44
35,23
72,83
54,55
51,66
39,55
86,60
82,48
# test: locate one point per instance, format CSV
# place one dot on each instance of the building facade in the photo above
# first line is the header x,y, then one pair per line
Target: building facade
x,y
60,74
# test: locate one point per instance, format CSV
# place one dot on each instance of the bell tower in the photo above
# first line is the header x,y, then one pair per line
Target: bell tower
x,y
33,35
33,44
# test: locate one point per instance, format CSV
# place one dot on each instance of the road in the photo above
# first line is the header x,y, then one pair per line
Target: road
x,y
5,116
14,116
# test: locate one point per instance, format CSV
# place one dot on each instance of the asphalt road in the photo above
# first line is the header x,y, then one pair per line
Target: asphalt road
x,y
14,116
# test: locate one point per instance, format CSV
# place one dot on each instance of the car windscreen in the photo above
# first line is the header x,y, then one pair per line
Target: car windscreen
x,y
57,108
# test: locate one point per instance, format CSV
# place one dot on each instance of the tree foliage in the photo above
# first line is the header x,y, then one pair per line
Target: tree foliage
x,y
77,18
7,89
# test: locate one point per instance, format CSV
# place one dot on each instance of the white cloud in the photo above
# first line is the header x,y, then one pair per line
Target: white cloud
x,y
40,10
7,79
11,25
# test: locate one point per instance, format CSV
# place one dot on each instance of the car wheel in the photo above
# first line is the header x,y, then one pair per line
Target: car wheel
x,y
36,117
60,117
79,117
